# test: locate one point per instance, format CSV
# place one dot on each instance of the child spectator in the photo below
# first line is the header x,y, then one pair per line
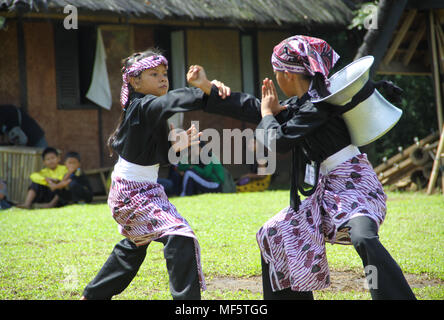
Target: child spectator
x,y
4,203
254,180
47,183
201,178
78,187
173,183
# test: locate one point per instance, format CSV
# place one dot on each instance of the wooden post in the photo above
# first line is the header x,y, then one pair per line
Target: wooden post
x,y
436,164
399,157
440,39
21,53
400,36
435,68
414,43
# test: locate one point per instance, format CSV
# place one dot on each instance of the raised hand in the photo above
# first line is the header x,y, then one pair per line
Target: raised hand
x,y
181,139
224,91
270,101
197,77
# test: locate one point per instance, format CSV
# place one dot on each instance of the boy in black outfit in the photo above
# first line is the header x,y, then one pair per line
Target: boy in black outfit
x,y
79,188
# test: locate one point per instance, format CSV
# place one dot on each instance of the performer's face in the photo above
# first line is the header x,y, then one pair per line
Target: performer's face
x,y
292,84
284,82
152,81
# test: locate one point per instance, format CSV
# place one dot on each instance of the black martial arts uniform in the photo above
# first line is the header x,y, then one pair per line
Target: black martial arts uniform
x,y
143,140
313,132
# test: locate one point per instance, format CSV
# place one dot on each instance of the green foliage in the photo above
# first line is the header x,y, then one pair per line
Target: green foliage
x,y
419,117
362,14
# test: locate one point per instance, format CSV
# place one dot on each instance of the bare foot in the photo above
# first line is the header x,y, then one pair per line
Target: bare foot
x,y
23,206
83,298
43,205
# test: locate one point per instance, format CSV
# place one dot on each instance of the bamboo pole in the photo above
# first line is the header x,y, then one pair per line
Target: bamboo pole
x,y
440,40
402,166
420,156
435,67
400,36
414,43
405,153
436,164
398,175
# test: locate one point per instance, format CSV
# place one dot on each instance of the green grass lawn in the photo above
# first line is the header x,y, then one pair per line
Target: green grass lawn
x,y
54,253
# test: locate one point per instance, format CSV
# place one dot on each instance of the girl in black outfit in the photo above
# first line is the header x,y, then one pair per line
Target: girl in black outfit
x,y
138,203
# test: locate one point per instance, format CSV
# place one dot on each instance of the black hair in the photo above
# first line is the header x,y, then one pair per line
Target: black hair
x,y
49,150
318,83
127,63
72,154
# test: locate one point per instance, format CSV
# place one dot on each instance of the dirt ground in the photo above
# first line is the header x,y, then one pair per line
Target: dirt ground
x,y
340,281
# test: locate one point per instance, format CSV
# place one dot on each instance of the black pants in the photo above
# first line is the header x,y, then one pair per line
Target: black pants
x,y
43,194
126,259
390,282
79,192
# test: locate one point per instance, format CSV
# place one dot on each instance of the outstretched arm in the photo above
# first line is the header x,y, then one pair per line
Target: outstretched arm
x,y
221,100
184,99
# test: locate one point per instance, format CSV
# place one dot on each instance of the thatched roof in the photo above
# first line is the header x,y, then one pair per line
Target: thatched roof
x,y
400,43
296,12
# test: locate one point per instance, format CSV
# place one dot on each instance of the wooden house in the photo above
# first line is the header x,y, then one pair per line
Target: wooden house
x,y
46,68
409,40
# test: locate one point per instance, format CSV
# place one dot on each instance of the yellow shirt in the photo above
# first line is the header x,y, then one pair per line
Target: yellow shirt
x,y
58,174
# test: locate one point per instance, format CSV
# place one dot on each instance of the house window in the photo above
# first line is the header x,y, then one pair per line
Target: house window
x,y
74,55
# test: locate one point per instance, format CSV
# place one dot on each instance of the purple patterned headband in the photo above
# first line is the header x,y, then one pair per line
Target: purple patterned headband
x,y
135,70
282,65
303,54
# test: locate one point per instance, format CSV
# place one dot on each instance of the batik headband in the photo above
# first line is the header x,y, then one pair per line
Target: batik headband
x,y
135,70
306,55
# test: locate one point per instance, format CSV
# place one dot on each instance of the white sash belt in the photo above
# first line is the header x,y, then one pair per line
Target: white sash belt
x,y
339,157
134,172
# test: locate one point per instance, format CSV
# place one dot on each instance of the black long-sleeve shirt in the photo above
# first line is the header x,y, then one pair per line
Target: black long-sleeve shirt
x,y
302,124
313,131
143,134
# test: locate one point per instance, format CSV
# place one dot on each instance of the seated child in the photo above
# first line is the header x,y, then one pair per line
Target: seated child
x,y
47,183
173,183
201,178
4,202
78,187
254,181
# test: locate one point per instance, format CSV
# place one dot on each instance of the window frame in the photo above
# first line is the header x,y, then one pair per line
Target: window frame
x,y
67,68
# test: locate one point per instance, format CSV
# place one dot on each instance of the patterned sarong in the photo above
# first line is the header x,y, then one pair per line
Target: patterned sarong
x,y
144,214
293,243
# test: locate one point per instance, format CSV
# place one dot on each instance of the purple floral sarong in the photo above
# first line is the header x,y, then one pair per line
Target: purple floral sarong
x,y
144,214
293,243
